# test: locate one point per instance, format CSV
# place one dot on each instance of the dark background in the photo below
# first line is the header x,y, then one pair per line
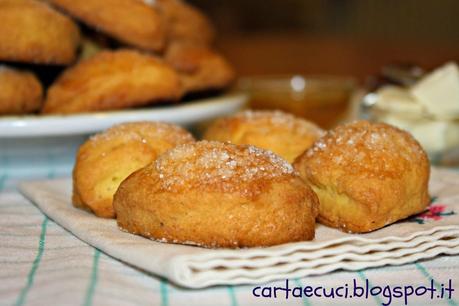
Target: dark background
x,y
353,37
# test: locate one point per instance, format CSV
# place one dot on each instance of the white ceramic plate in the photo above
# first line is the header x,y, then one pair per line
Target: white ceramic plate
x,y
60,125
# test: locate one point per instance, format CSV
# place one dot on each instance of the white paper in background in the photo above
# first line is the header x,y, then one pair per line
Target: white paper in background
x,y
436,232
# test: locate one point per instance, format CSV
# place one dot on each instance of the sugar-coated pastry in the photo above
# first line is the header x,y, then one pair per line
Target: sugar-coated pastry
x,y
200,68
113,80
33,32
20,92
280,132
366,175
185,23
131,21
216,194
106,159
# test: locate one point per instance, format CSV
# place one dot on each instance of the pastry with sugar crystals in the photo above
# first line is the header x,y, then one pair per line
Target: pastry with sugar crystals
x,y
280,132
366,175
106,159
216,194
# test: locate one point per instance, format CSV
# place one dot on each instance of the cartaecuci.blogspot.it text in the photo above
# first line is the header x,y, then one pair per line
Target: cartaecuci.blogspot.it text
x,y
360,290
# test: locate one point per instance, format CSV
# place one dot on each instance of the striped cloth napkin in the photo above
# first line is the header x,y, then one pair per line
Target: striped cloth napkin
x,y
424,236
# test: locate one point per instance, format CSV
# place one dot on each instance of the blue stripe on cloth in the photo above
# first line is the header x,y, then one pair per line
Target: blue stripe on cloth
x,y
31,276
424,272
364,278
164,289
21,299
3,178
232,295
89,297
4,161
51,165
305,299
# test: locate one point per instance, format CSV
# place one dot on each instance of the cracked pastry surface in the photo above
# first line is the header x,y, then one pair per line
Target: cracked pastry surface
x,y
280,132
200,68
366,175
131,21
217,194
186,23
113,80
20,91
107,158
33,32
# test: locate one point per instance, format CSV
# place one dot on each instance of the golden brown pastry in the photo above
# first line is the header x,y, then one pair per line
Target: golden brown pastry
x,y
200,68
366,175
130,21
186,23
20,92
113,80
33,32
280,132
106,159
215,194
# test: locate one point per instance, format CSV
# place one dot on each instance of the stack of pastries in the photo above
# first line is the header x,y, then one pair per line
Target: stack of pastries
x,y
259,178
65,56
